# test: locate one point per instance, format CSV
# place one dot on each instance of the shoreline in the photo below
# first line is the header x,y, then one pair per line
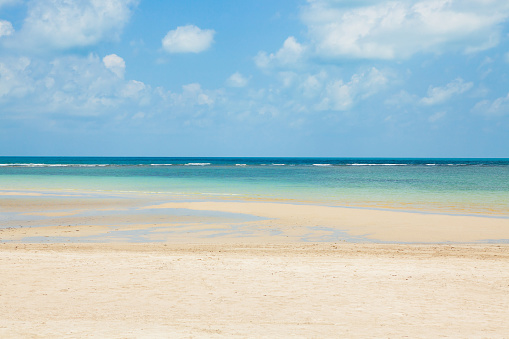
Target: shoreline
x,y
237,197
148,218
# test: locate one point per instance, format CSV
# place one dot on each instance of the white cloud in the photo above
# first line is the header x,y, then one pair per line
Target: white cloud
x,y
14,81
61,24
70,85
341,96
115,64
399,29
82,87
312,85
287,79
496,107
188,39
136,89
304,93
5,28
290,54
194,93
75,86
237,80
437,95
436,116
73,89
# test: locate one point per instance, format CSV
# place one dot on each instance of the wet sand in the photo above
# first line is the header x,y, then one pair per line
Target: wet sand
x,y
147,218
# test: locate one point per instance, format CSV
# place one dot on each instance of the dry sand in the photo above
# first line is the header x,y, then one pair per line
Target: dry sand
x,y
303,290
219,272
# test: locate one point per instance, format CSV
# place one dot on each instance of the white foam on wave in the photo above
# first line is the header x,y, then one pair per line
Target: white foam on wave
x,y
240,164
278,164
377,164
30,165
161,164
197,164
54,165
321,164
431,164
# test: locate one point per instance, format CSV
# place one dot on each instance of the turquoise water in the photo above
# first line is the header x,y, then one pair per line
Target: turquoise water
x,y
444,185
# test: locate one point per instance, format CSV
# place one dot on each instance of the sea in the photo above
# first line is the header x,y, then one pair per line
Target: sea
x,y
444,185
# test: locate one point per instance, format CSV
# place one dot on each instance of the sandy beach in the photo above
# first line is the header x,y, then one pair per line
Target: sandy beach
x,y
59,217
302,290
254,169
135,266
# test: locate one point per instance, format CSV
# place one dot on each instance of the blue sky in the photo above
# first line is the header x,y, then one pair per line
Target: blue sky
x,y
255,78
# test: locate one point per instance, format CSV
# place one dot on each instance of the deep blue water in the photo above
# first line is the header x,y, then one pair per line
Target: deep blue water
x,y
253,161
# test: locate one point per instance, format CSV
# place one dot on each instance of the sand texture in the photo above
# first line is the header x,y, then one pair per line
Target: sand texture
x,y
138,218
302,290
145,266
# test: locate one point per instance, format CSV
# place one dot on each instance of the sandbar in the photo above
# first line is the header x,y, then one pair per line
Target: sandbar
x,y
155,219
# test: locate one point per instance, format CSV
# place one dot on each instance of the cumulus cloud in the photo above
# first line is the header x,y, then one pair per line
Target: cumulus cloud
x,y
5,28
14,80
61,24
437,95
326,90
81,87
194,94
312,84
237,80
84,87
290,54
115,64
496,107
133,88
399,29
70,85
341,96
188,39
